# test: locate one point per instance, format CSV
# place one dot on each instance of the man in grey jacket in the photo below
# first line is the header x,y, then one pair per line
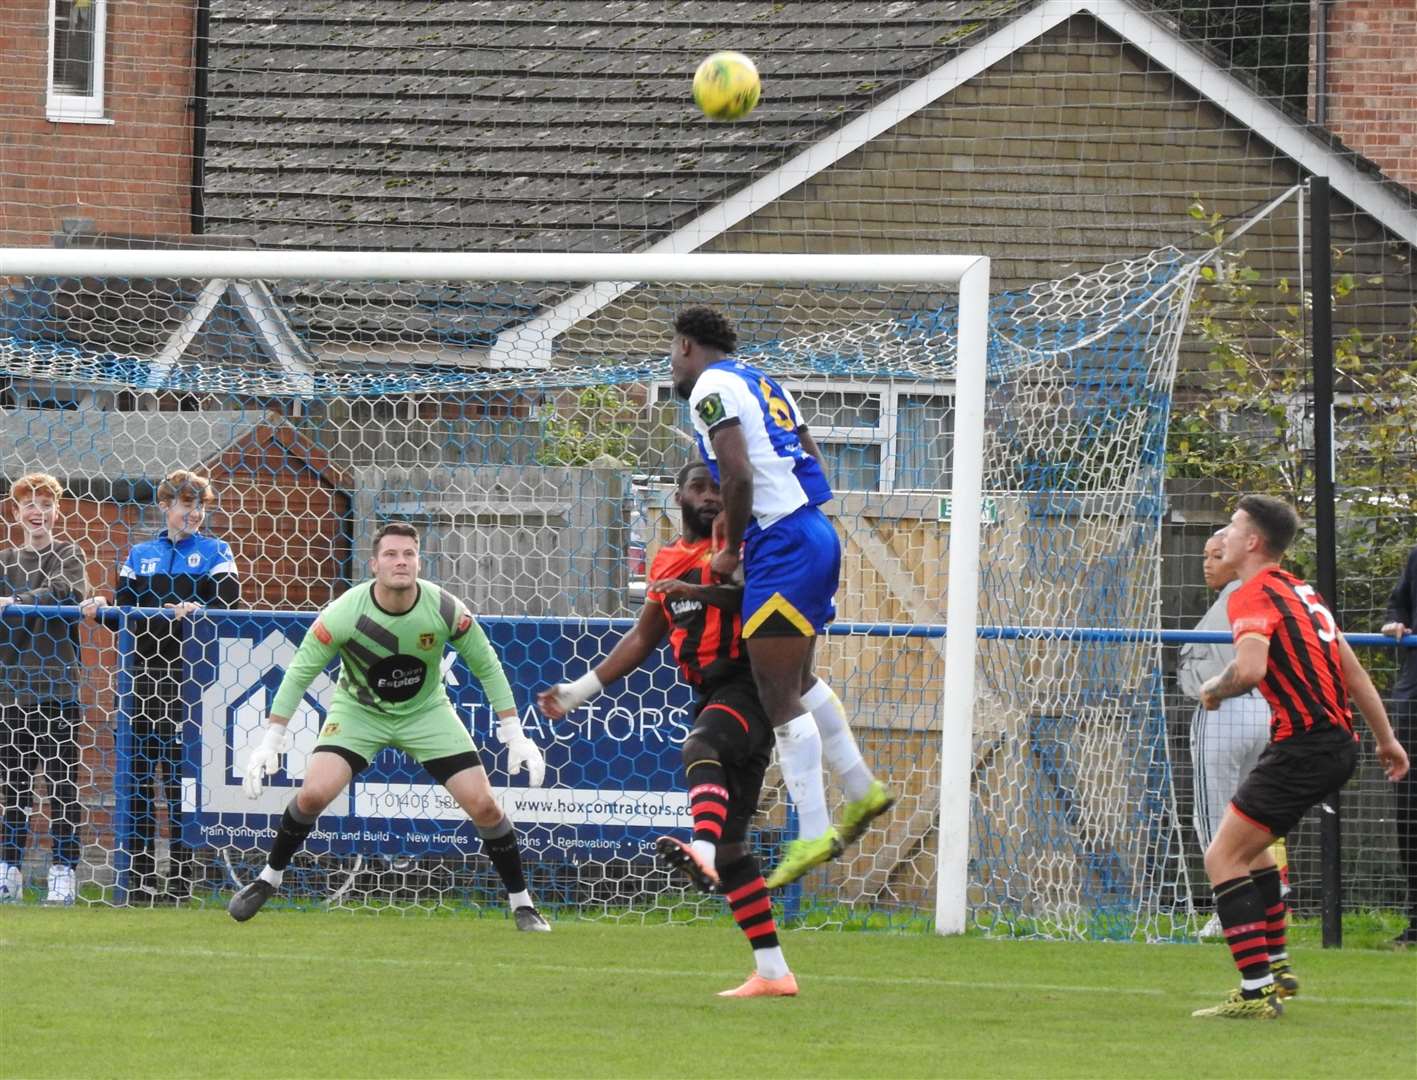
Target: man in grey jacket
x,y
39,688
1225,744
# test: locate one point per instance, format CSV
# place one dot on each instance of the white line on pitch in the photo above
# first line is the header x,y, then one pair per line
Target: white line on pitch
x,y
576,969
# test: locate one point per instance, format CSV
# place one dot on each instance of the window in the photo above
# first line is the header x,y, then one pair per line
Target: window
x,y
925,432
76,30
872,437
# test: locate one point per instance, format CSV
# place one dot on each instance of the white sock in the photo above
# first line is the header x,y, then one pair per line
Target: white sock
x,y
799,753
706,850
771,964
838,744
519,899
272,876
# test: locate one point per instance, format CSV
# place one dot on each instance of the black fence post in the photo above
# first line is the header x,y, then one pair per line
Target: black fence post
x,y
1330,831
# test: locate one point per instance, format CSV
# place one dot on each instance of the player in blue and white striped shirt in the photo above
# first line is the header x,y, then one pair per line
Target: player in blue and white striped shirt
x,y
754,440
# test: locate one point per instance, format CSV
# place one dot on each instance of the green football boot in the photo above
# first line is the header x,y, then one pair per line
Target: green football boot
x,y
1238,1007
802,855
856,817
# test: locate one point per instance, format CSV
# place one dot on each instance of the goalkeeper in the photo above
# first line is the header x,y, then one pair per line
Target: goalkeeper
x,y
390,634
727,752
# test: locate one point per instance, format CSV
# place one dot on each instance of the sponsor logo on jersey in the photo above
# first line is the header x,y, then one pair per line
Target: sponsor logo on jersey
x,y
322,635
425,641
685,607
149,567
711,409
330,728
398,677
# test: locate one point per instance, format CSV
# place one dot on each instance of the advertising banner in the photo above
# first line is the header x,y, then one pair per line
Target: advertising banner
x,y
613,769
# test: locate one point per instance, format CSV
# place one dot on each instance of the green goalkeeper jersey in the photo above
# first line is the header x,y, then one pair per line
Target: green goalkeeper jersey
x,y
392,664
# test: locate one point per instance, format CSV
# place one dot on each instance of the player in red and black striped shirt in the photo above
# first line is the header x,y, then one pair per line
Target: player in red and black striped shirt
x,y
726,754
706,639
1288,644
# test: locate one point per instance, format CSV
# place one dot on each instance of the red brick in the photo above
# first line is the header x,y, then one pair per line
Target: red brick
x,y
1372,86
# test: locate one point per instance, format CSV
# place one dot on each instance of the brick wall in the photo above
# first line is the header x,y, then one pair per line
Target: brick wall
x,y
1372,82
128,176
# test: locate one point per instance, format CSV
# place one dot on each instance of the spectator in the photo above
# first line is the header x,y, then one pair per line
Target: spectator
x,y
183,571
1402,620
39,688
1226,743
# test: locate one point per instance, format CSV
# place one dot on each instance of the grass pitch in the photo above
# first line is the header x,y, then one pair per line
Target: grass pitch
x,y
129,993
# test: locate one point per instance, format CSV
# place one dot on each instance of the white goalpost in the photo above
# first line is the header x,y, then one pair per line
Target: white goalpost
x,y
995,461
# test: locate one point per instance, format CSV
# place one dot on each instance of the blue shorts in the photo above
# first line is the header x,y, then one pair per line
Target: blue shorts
x,y
790,574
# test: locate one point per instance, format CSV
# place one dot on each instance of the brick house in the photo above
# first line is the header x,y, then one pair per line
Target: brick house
x,y
1049,135
1363,81
96,117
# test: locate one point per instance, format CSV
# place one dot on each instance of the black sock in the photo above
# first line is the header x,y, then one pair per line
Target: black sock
x,y
747,896
500,843
291,834
1270,885
1241,910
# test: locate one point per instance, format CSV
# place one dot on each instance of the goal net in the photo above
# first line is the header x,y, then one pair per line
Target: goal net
x,y
528,429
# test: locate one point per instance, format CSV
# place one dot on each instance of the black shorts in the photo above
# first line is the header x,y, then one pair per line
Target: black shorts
x,y
732,717
1292,776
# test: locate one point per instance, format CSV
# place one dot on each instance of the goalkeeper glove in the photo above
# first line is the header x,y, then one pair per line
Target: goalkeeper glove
x,y
521,751
265,759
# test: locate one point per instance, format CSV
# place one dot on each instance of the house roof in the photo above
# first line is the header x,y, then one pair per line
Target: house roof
x,y
403,124
400,124
568,126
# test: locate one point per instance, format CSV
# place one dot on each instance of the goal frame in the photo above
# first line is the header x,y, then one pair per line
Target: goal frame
x,y
615,273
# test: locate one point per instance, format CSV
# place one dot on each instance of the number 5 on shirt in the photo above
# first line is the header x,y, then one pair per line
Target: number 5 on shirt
x,y
1324,624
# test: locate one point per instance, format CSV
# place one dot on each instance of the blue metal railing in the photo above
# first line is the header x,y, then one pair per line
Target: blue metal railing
x,y
113,617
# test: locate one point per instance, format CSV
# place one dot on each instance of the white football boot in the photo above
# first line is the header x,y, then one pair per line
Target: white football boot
x,y
61,885
12,884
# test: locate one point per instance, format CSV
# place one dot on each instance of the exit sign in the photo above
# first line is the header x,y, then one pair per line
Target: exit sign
x,y
988,510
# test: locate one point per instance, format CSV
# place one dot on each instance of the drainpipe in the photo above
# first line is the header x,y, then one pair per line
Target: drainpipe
x,y
199,116
1320,65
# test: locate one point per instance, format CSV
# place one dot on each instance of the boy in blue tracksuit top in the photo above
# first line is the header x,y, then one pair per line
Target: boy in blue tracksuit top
x,y
184,571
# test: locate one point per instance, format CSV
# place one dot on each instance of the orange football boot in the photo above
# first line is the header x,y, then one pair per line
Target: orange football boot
x,y
757,986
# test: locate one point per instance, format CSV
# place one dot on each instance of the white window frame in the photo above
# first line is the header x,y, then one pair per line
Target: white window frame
x,y
65,108
883,434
